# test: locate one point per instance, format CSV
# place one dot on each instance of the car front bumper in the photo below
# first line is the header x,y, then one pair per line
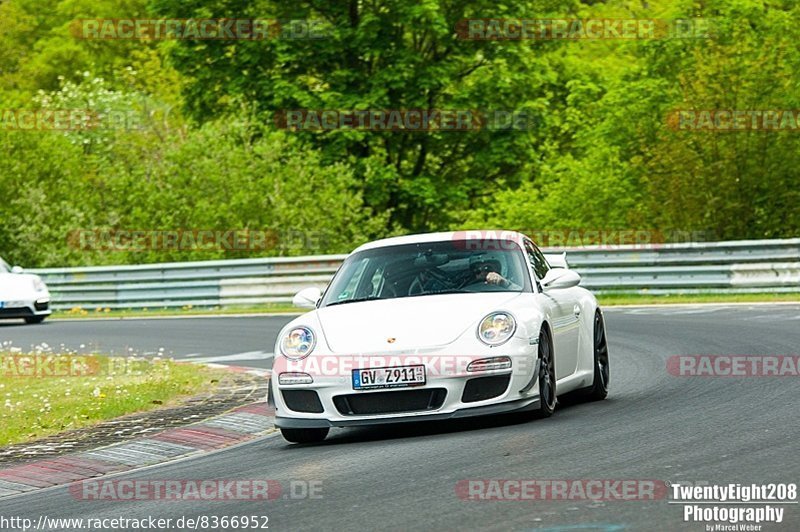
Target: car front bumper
x,y
523,405
25,308
520,392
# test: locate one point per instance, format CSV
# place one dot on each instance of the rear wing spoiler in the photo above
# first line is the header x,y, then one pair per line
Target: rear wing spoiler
x,y
557,260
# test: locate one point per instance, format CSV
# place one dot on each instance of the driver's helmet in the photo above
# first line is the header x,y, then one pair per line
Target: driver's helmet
x,y
488,261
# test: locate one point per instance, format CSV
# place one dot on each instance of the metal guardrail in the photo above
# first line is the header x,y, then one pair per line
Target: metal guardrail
x,y
740,266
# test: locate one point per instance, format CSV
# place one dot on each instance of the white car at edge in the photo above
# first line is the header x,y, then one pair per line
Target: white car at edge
x,y
22,295
438,326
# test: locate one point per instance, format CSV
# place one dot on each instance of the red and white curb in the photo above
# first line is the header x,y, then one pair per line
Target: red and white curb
x,y
239,425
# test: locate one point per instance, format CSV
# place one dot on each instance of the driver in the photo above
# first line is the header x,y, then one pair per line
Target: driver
x,y
486,268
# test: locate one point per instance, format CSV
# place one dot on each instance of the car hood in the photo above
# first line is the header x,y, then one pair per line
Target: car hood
x,y
413,322
16,286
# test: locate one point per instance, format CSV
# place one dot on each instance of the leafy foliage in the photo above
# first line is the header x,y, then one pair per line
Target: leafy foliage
x,y
202,151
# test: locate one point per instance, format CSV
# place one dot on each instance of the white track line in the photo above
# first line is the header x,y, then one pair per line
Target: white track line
x,y
248,355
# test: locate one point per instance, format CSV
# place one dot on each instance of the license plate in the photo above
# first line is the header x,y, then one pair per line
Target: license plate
x,y
396,377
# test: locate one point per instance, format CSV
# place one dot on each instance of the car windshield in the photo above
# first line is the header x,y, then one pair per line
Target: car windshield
x,y
428,268
4,267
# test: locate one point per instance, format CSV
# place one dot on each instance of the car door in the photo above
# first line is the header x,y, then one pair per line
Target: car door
x,y
565,313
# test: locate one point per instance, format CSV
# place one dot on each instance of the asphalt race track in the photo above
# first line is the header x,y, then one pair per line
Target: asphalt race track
x,y
242,341
653,425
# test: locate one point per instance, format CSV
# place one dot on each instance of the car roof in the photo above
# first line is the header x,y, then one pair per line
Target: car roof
x,y
482,234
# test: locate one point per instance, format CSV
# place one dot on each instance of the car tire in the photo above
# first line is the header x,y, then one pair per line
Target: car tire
x,y
30,320
602,371
547,376
304,435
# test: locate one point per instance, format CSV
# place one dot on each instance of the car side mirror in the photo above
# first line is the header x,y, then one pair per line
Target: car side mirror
x,y
559,278
17,269
307,297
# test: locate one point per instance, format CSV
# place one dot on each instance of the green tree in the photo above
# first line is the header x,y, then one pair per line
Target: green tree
x,y
388,55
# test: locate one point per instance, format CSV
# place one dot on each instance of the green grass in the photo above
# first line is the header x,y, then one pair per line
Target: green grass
x,y
40,396
611,299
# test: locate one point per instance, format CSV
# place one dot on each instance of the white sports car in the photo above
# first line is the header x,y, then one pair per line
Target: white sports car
x,y
438,326
22,295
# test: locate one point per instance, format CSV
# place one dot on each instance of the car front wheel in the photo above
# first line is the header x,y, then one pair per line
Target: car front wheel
x,y
547,376
34,319
602,370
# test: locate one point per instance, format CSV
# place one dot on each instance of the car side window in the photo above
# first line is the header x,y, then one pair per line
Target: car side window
x,y
537,260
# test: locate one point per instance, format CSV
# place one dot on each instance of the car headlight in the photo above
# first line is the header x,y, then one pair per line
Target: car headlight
x,y
298,343
38,285
496,328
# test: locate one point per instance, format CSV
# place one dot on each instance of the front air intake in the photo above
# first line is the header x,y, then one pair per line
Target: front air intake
x,y
302,401
482,388
363,404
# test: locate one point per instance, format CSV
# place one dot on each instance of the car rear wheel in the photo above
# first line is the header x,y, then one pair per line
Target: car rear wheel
x,y
304,435
602,370
547,376
34,319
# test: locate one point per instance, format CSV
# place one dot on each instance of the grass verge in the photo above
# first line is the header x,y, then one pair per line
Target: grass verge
x,y
42,394
611,299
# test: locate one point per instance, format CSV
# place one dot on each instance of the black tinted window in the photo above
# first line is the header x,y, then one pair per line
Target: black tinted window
x,y
428,268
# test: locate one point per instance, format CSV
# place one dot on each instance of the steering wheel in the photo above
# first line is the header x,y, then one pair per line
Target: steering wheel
x,y
416,287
